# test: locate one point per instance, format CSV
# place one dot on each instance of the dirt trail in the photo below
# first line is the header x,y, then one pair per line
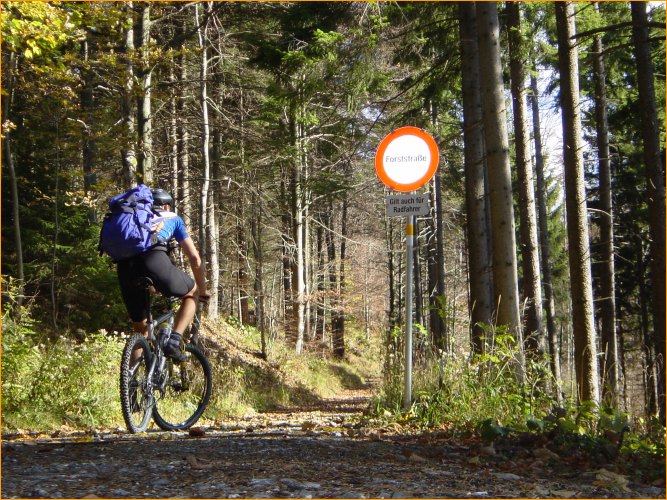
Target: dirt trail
x,y
314,452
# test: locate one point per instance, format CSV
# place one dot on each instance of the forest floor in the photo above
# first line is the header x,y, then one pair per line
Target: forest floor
x,y
323,451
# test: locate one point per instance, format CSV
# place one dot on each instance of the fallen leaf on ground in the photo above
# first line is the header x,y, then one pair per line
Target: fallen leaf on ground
x,y
608,479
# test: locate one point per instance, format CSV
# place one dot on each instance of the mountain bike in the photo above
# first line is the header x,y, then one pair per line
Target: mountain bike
x,y
153,386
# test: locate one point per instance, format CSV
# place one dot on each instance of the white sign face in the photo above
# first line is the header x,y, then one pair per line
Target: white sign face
x,y
403,205
406,159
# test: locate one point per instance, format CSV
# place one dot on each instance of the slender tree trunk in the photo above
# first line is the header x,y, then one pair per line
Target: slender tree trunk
x,y
173,128
656,187
242,260
480,302
213,241
545,247
532,285
256,228
436,260
87,107
321,278
300,260
128,155
581,288
505,278
307,268
391,273
204,243
417,277
611,361
187,203
333,279
287,252
8,161
145,120
338,319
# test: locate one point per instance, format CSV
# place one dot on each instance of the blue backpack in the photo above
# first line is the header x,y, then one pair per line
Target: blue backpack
x,y
126,230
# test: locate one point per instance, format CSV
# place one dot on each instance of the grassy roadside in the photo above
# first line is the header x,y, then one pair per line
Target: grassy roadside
x,y
67,384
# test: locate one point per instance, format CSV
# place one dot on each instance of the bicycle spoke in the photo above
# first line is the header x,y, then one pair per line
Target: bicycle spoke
x,y
186,394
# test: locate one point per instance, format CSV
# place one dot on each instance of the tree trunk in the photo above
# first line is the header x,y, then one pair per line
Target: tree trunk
x,y
299,219
505,279
532,285
87,107
287,252
656,187
188,204
127,107
145,120
8,161
338,314
204,243
436,259
581,289
417,278
607,302
242,260
321,278
480,305
545,247
256,228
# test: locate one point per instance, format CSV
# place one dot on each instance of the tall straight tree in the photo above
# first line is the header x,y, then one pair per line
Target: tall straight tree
x,y
611,361
656,186
436,257
204,243
145,73
477,228
8,161
581,287
503,240
532,284
127,104
545,247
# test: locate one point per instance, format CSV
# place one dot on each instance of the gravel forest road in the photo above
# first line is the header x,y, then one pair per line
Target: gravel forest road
x,y
303,453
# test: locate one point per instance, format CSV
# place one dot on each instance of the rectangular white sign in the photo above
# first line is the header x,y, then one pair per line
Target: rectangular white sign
x,y
402,205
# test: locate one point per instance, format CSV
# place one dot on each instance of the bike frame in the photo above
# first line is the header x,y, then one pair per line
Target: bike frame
x,y
158,360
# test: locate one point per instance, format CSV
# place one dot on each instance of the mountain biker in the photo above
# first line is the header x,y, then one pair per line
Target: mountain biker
x,y
167,279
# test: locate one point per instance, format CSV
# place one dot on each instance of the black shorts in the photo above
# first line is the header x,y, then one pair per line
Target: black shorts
x,y
168,279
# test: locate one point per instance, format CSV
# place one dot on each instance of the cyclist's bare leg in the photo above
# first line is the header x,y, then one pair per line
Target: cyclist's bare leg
x,y
186,312
139,327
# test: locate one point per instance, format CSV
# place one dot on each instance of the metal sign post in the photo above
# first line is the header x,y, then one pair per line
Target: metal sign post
x,y
409,247
405,160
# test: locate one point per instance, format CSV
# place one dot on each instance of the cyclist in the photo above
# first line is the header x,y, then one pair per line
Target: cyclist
x,y
167,279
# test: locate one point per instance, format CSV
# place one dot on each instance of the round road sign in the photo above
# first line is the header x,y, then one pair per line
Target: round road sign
x,y
406,159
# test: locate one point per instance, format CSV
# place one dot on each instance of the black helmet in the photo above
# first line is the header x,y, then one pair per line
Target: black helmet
x,y
162,197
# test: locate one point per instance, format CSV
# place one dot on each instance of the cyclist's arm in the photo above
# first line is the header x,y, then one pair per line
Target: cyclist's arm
x,y
192,254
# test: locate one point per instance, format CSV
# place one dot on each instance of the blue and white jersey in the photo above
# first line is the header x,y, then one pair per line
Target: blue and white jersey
x,y
168,225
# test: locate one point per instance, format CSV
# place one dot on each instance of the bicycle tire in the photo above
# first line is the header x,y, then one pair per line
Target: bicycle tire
x,y
187,393
136,400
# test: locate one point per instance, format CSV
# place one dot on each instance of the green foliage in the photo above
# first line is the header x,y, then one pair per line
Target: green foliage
x,y
36,29
464,394
46,385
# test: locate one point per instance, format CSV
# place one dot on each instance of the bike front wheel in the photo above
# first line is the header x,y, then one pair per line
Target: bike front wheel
x,y
136,394
186,394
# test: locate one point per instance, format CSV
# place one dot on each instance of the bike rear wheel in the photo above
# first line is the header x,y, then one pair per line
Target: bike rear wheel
x,y
186,394
136,396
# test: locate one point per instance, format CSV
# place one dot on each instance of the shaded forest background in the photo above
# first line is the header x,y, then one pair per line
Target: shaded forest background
x,y
262,119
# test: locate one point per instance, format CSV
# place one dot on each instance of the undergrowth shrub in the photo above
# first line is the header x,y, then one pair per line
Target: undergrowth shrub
x,y
461,392
49,384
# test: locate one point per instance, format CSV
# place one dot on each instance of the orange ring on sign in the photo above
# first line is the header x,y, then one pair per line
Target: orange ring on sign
x,y
382,148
